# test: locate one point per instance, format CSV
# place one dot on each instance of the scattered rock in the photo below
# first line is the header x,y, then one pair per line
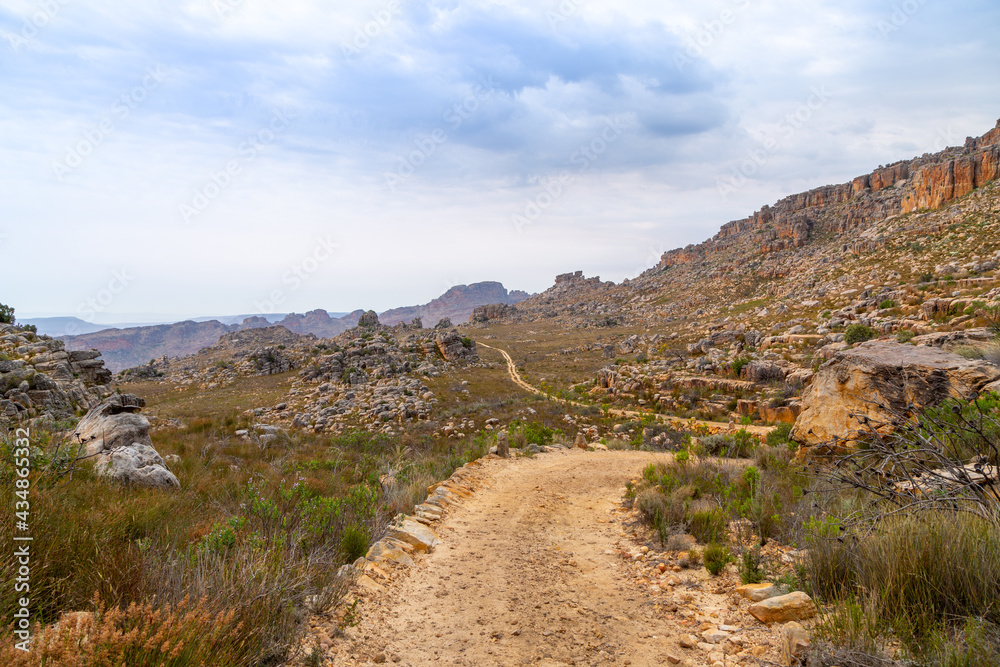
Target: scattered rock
x,y
794,644
791,607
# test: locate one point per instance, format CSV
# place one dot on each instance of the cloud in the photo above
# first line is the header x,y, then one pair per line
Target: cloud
x,y
506,93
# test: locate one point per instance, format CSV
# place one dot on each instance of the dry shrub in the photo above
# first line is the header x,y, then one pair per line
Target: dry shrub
x,y
171,635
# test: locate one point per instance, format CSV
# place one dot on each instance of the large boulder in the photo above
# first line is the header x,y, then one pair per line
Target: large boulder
x,y
368,320
136,464
873,384
118,436
115,422
455,348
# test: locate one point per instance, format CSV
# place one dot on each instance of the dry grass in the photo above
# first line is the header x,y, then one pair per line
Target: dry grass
x,y
256,533
187,633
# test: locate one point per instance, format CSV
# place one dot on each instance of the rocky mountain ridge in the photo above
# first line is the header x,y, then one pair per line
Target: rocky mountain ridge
x,y
127,348
457,304
924,183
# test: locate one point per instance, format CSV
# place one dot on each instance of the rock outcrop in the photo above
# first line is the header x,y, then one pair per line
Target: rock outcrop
x,y
454,347
927,182
38,377
795,606
493,312
369,320
118,436
876,383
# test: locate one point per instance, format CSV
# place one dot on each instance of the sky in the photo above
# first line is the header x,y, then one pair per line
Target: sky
x,y
214,157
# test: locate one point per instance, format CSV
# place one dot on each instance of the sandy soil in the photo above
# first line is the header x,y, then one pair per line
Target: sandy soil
x,y
542,566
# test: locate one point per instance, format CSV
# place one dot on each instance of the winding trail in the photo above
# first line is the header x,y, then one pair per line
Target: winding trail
x,y
714,427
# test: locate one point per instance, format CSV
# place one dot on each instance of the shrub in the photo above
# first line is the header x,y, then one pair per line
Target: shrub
x,y
6,314
887,304
738,445
751,567
858,333
353,543
171,635
716,557
925,278
538,434
738,365
914,577
709,526
905,336
779,437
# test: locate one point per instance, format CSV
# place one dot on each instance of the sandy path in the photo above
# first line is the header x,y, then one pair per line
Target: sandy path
x,y
523,574
531,572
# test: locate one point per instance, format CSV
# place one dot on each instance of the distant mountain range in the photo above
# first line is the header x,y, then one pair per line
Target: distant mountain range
x,y
74,326
126,347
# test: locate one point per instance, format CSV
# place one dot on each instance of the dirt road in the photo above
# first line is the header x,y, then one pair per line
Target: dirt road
x,y
531,571
714,427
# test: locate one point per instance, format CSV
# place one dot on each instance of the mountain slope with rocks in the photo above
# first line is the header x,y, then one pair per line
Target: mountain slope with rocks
x,y
135,346
737,327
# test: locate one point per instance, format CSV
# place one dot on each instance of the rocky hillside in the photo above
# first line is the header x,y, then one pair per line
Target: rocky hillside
x,y
40,378
127,348
738,326
368,377
921,184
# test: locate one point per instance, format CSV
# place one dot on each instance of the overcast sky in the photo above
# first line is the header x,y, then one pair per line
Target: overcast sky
x,y
216,157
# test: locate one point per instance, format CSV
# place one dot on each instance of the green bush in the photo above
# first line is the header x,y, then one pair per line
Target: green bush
x,y
916,578
716,557
888,303
738,445
905,336
738,365
779,437
858,333
709,526
6,314
751,567
353,543
538,434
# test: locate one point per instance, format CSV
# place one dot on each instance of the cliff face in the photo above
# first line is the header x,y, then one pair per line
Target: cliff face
x,y
927,182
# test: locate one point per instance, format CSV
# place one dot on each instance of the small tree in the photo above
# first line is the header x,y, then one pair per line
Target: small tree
x,y
6,314
858,333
